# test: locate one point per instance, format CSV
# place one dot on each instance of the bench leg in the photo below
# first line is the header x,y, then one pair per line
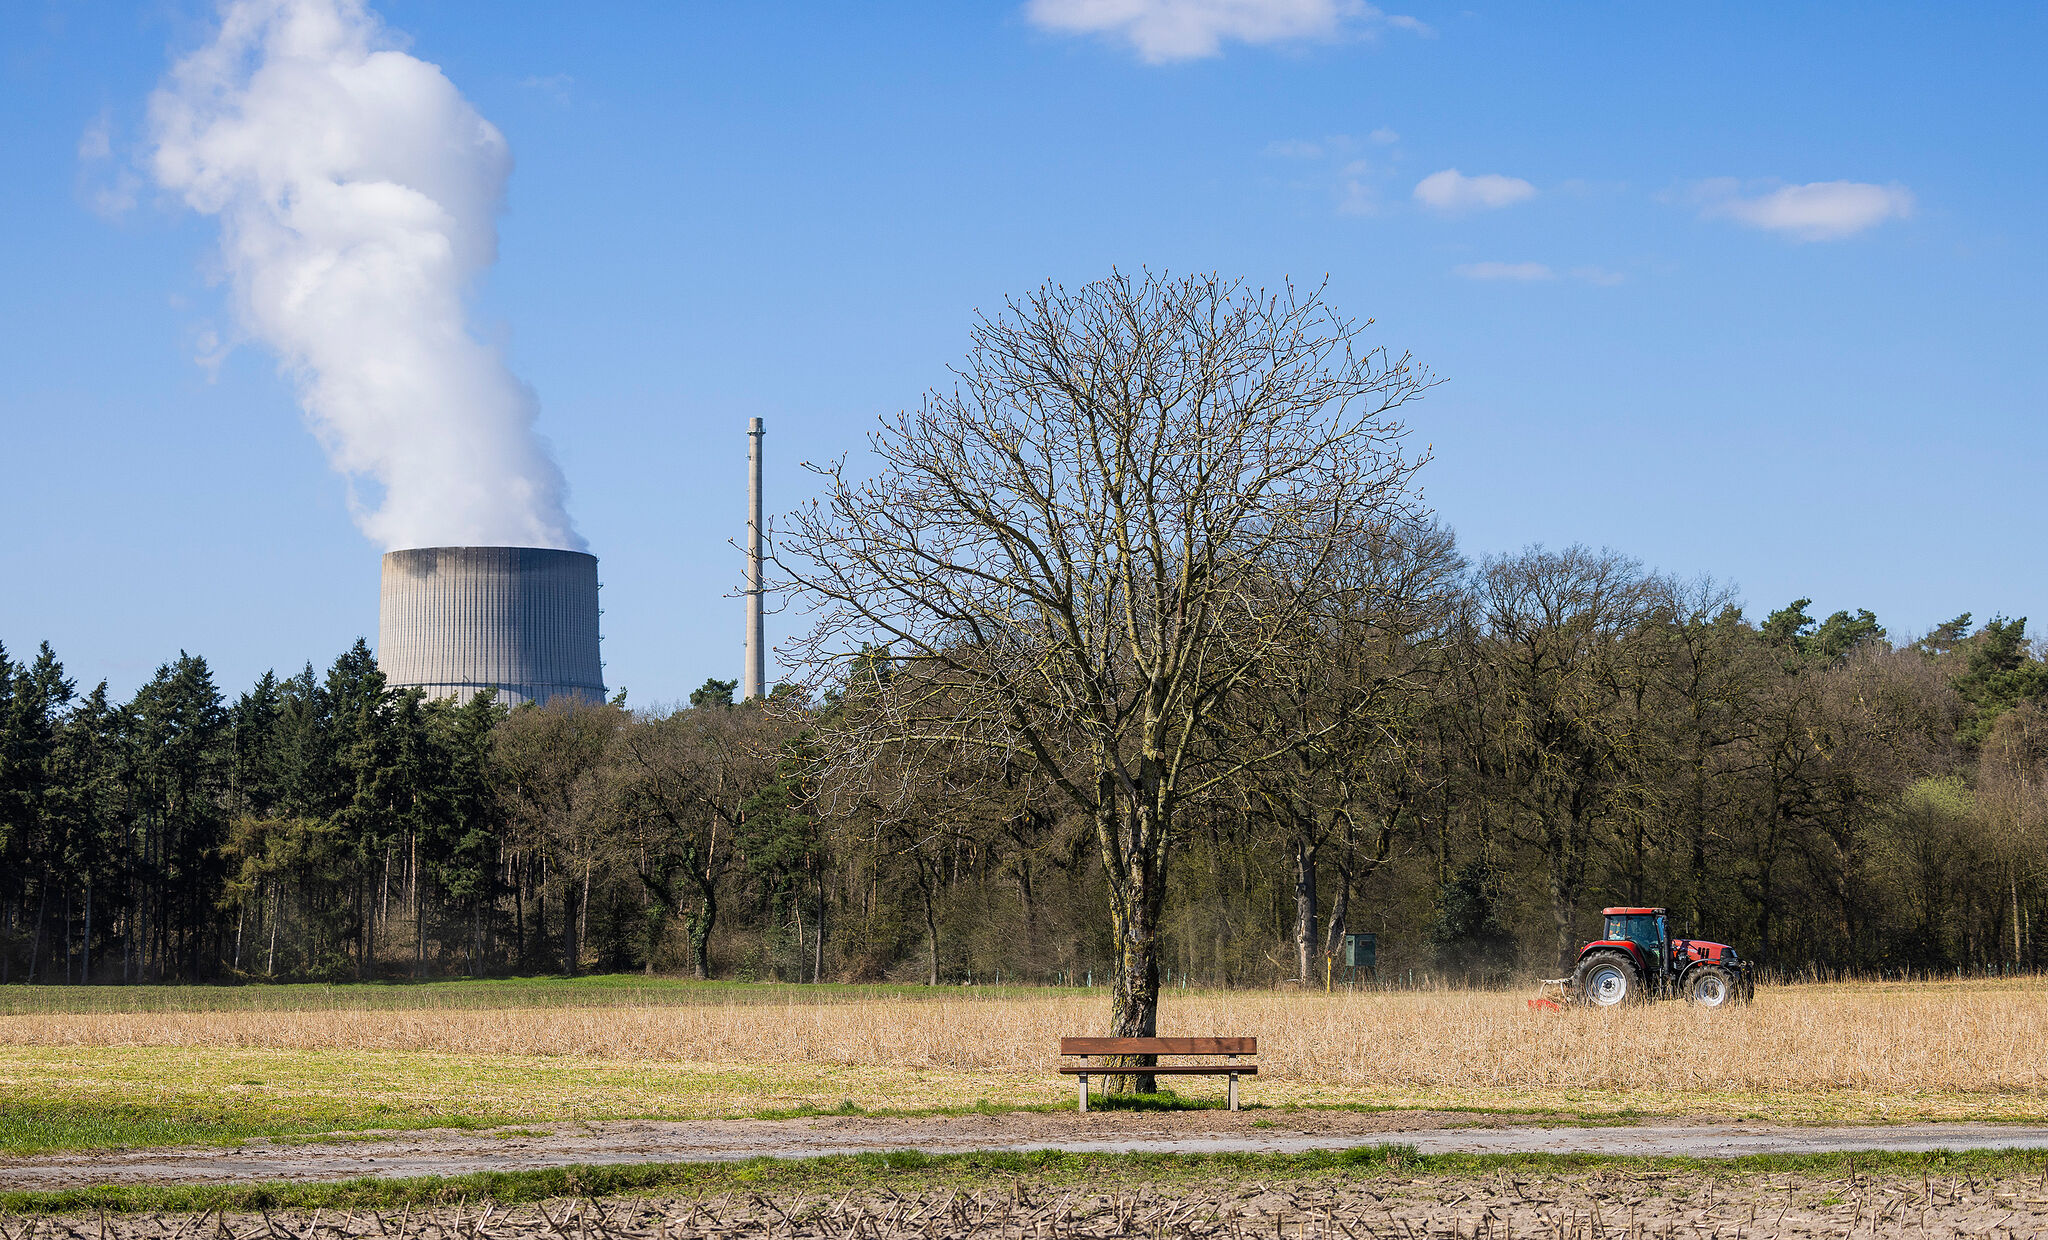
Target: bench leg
x,y
1083,1108
1233,1091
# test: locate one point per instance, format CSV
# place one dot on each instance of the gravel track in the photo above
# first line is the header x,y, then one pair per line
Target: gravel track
x,y
454,1152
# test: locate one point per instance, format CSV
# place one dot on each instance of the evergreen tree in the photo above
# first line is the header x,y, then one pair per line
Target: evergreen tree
x,y
2000,671
88,799
258,780
713,692
178,762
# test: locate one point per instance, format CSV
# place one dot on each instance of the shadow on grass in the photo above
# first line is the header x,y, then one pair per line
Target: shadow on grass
x,y
1164,1100
847,1106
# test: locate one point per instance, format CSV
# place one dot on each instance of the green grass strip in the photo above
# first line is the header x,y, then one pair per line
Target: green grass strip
x,y
910,1170
46,1127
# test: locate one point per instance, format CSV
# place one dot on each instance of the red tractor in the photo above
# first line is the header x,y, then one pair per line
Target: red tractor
x,y
1639,960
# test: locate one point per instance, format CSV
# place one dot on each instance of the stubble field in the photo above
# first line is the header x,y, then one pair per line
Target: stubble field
x,y
1361,1202
159,1066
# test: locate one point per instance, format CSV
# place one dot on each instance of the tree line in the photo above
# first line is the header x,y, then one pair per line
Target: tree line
x,y
1580,733
1137,662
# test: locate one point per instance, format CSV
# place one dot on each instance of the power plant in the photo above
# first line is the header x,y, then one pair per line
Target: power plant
x,y
518,620
522,621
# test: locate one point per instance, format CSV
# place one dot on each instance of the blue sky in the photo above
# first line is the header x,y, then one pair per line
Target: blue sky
x,y
1748,291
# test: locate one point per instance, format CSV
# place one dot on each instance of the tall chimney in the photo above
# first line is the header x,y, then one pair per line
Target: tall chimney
x,y
757,646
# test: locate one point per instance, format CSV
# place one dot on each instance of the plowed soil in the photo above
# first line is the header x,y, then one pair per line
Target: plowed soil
x,y
1580,1207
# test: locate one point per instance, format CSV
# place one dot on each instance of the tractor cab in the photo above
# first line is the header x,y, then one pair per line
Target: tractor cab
x,y
1644,927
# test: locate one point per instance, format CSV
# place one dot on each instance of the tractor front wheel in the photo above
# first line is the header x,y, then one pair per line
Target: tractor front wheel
x,y
1608,979
1711,986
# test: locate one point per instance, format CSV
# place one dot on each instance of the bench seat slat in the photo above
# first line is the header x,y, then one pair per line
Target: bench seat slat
x,y
1159,1046
1165,1069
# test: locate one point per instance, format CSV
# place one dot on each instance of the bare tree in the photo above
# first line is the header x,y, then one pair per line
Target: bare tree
x,y
550,757
1342,704
1067,552
2012,800
1556,663
1700,711
679,783
925,812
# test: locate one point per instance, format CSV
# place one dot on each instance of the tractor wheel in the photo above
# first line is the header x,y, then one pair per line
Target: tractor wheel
x,y
1608,979
1711,986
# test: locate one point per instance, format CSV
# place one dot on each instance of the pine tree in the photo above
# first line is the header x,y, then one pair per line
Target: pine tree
x,y
178,759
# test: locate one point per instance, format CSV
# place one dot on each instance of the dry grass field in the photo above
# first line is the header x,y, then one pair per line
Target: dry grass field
x,y
1799,1054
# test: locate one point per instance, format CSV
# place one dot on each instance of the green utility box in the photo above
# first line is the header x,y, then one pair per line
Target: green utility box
x,y
1358,960
1361,951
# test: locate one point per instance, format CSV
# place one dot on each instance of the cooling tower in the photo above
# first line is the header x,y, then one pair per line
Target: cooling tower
x,y
521,620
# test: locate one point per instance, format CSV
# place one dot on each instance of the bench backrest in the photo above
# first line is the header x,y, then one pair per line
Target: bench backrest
x,y
1159,1046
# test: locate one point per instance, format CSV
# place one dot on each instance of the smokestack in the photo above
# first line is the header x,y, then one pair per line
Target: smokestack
x,y
757,646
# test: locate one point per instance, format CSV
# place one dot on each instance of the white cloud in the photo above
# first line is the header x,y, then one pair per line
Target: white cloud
x,y
1819,211
1383,136
1452,190
1165,30
1504,271
1598,275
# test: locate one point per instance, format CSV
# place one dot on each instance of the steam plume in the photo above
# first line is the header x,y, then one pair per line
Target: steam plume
x,y
357,192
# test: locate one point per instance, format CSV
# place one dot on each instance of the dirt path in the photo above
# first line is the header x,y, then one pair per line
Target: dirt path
x,y
451,1152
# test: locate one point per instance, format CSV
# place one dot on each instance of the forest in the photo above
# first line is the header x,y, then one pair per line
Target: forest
x,y
1566,731
1138,660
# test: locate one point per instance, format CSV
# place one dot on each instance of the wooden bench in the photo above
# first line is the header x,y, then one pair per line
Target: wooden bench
x,y
1230,1047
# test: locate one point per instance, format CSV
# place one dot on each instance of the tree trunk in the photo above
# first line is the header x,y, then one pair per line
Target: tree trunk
x,y
818,953
699,925
931,921
796,912
1340,917
1567,878
1304,909
1136,894
2015,919
419,909
35,945
572,951
582,919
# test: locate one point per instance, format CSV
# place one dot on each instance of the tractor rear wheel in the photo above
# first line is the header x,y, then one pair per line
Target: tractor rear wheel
x,y
1711,986
1608,979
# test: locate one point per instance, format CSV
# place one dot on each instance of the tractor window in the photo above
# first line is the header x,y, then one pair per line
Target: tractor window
x,y
1643,929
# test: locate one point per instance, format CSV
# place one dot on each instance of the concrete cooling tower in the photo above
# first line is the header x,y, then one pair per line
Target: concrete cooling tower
x,y
521,620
